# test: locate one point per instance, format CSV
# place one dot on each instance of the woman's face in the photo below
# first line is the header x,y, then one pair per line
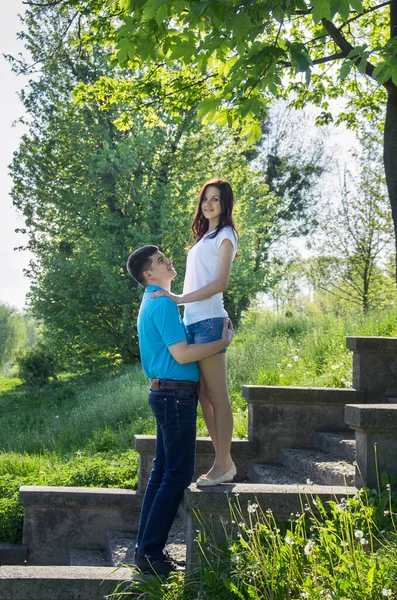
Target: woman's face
x,y
211,203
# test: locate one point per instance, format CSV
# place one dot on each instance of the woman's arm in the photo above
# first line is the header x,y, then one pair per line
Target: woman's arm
x,y
219,284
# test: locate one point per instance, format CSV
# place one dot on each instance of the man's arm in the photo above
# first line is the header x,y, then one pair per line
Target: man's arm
x,y
185,353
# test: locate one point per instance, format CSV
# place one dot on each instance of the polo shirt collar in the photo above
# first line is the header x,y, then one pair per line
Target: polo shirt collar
x,y
153,288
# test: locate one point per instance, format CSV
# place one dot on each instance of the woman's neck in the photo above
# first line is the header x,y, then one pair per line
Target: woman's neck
x,y
212,224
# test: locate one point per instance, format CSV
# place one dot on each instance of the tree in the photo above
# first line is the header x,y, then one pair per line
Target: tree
x,y
91,192
351,263
13,333
233,59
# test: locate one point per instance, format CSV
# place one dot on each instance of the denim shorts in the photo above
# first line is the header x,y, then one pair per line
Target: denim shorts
x,y
205,331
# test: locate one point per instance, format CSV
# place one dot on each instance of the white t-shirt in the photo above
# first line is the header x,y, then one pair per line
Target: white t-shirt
x,y
201,267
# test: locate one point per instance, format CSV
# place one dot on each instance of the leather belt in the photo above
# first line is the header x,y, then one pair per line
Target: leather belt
x,y
174,384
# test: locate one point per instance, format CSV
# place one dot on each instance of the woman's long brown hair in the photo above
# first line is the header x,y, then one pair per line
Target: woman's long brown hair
x,y
200,223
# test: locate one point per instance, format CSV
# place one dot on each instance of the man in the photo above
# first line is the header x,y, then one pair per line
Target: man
x,y
172,366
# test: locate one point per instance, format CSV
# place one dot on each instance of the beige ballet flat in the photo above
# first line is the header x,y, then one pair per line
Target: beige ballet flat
x,y
226,477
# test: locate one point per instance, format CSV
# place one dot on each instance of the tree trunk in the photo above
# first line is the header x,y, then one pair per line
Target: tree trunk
x,y
390,134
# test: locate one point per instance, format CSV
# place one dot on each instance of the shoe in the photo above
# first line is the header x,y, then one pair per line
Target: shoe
x,y
179,562
226,477
155,566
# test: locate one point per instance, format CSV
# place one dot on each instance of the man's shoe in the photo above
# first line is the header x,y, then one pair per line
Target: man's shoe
x,y
226,477
155,566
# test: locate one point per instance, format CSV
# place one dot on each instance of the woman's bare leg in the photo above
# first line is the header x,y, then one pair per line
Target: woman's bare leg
x,y
213,374
208,411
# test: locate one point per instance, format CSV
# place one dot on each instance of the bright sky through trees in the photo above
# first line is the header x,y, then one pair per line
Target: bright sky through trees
x,y
13,286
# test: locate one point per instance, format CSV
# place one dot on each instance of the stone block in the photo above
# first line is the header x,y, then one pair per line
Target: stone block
x,y
58,518
376,441
60,582
287,417
243,452
375,367
12,554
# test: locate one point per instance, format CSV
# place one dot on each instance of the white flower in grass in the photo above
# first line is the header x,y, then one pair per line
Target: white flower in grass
x,y
358,534
304,594
252,508
386,592
309,547
288,540
269,511
363,542
289,366
309,482
296,358
343,544
335,367
386,512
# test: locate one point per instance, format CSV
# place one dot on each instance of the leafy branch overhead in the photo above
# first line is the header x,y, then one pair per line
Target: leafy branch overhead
x,y
233,58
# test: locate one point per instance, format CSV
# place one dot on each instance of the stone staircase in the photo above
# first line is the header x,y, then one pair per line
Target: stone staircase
x,y
303,442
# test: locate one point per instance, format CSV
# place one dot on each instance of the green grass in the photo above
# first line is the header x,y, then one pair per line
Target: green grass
x,y
344,550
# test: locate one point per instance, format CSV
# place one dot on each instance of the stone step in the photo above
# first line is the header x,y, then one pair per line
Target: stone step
x,y
121,544
243,452
318,467
273,475
60,583
89,557
12,554
340,445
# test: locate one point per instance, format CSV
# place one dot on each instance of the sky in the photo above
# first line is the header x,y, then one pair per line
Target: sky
x,y
13,285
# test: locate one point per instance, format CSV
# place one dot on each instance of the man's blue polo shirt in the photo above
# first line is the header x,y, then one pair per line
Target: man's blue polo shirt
x,y
159,326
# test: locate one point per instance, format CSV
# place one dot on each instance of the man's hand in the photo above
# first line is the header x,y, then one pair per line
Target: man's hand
x,y
227,331
175,297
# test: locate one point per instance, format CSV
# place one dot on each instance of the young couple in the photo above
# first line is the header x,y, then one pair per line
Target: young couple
x,y
185,362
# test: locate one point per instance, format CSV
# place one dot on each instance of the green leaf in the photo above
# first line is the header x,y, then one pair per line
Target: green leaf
x,y
252,131
207,107
321,10
345,69
184,50
382,72
357,5
150,9
161,14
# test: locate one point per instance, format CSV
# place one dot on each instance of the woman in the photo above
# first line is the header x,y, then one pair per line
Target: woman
x,y
208,269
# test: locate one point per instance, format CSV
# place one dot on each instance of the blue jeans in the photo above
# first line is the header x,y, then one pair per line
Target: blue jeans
x,y
208,330
173,467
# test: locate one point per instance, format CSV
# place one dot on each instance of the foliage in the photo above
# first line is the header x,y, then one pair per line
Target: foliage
x,y
351,262
304,348
98,470
332,551
91,192
36,365
95,414
233,62
13,333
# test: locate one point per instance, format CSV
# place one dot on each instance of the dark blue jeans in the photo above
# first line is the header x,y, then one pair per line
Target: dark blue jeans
x,y
173,467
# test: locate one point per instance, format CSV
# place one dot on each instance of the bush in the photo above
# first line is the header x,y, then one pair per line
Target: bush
x,y
36,365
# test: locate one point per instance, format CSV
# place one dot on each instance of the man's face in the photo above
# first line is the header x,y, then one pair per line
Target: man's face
x,y
162,270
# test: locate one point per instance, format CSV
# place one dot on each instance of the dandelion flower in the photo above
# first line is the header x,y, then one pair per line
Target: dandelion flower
x,y
309,482
288,540
363,542
358,534
252,508
386,592
296,358
343,544
309,547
